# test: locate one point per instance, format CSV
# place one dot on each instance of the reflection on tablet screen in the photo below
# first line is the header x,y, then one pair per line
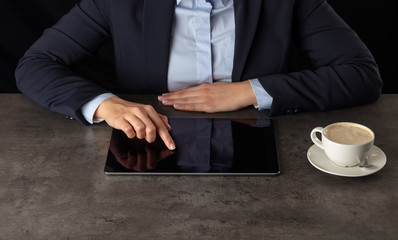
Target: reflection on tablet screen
x,y
204,146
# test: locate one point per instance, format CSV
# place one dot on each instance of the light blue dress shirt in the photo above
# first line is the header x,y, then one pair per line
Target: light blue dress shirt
x,y
201,51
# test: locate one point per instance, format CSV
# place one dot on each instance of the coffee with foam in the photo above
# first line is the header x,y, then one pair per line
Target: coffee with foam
x,y
347,133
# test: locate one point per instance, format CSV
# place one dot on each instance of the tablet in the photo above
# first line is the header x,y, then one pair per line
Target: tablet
x,y
204,146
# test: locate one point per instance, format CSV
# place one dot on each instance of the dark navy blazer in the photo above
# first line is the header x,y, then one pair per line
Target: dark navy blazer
x,y
344,72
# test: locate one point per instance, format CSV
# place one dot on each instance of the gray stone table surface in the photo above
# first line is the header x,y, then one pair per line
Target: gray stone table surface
x,y
52,184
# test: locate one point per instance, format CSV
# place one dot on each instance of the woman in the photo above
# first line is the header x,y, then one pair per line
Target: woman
x,y
199,55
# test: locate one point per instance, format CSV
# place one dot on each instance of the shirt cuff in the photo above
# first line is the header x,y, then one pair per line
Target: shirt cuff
x,y
89,108
264,100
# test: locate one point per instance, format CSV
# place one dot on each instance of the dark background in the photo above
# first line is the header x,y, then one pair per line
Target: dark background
x,y
23,21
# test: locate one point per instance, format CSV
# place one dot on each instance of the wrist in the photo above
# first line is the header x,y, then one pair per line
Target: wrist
x,y
248,96
105,106
89,108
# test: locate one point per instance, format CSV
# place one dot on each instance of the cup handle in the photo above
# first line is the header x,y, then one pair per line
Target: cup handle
x,y
314,138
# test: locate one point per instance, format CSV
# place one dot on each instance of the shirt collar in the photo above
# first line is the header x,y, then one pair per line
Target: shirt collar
x,y
224,2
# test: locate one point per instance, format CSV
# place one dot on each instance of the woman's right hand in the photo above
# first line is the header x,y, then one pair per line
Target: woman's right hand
x,y
135,120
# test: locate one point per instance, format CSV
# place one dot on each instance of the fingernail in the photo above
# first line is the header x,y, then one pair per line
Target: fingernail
x,y
160,98
172,146
175,105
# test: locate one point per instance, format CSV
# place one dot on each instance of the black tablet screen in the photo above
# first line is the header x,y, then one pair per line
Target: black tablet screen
x,y
204,146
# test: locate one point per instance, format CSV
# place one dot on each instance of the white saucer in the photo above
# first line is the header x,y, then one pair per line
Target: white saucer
x,y
318,159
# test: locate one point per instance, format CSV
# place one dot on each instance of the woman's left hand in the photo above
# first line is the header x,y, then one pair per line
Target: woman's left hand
x,y
211,97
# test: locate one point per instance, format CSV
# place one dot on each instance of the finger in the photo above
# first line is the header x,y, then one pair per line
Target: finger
x,y
188,92
142,123
152,122
126,127
195,107
162,130
165,120
168,141
137,124
184,100
187,107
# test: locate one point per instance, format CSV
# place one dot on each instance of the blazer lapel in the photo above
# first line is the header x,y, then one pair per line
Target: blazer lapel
x,y
247,13
157,25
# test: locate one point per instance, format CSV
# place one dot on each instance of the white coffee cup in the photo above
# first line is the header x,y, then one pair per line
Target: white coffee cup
x,y
346,144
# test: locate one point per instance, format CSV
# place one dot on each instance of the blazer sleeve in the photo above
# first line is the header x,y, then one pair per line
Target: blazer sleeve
x,y
345,73
45,72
